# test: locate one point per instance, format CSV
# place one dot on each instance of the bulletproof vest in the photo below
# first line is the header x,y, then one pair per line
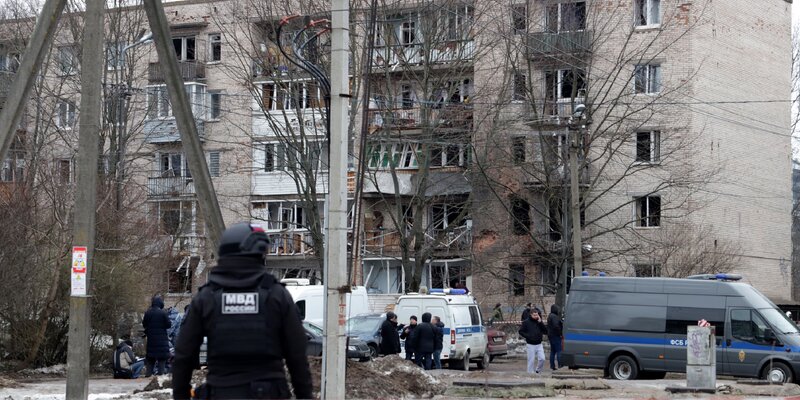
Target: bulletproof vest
x,y
240,333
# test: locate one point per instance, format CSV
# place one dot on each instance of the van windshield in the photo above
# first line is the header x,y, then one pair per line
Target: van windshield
x,y
779,321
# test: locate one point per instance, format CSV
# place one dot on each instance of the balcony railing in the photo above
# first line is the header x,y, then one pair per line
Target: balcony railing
x,y
289,243
385,241
170,186
559,44
188,244
190,71
555,112
451,115
166,130
447,52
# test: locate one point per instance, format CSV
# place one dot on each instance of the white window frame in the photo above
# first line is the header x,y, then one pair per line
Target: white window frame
x,y
115,57
170,170
66,114
158,98
458,22
653,267
214,106
182,56
287,90
13,167
282,159
560,17
651,75
445,160
67,60
518,94
9,61
214,39
286,208
655,146
560,75
447,210
408,27
652,13
214,158
404,153
642,218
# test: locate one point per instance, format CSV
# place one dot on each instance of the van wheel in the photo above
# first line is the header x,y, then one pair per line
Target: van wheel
x,y
463,364
777,372
483,363
623,368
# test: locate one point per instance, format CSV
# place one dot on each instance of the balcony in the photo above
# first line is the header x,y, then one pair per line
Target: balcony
x,y
553,173
448,52
543,46
290,243
171,186
381,242
188,245
166,130
452,115
190,71
555,112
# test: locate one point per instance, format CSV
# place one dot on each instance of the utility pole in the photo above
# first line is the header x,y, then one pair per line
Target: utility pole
x,y
206,196
31,62
85,202
574,182
336,284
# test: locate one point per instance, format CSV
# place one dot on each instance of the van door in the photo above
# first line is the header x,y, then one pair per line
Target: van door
x,y
746,343
479,339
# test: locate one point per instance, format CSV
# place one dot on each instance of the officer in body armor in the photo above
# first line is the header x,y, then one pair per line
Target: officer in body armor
x,y
252,325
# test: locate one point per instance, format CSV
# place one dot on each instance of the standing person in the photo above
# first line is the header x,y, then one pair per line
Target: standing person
x,y
390,340
526,313
533,330
252,325
438,342
497,313
555,334
407,334
126,366
155,323
424,340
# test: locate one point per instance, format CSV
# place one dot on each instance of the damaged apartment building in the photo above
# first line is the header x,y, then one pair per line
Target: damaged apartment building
x,y
464,117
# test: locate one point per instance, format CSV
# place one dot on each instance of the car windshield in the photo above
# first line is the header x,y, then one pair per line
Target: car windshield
x,y
313,328
779,321
363,324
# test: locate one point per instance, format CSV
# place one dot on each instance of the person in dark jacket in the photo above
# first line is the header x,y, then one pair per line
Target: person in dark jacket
x,y
407,334
252,325
526,313
424,341
126,365
438,342
155,323
497,313
555,334
533,330
390,340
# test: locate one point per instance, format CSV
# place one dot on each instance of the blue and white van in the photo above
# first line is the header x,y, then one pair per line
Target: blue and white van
x,y
465,337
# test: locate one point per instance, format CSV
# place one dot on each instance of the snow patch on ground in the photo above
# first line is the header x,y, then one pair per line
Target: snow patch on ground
x,y
58,369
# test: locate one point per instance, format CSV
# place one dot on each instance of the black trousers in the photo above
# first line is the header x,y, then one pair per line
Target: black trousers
x,y
265,389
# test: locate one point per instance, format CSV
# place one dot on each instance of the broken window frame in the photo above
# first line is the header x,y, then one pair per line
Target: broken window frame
x,y
214,47
647,211
648,147
519,18
558,19
646,13
516,279
646,270
647,79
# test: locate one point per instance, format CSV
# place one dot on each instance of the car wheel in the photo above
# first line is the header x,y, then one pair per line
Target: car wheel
x,y
623,368
491,358
483,363
465,362
777,372
373,351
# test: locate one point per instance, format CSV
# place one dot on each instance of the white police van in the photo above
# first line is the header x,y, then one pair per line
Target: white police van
x,y
464,337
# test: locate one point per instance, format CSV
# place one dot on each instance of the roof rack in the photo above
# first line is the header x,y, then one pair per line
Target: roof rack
x,y
716,277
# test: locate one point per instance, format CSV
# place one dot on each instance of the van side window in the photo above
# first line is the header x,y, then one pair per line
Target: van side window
x,y
301,309
461,315
474,316
748,326
678,318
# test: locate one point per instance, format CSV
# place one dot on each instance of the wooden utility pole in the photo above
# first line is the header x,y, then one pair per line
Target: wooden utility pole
x,y
85,202
336,268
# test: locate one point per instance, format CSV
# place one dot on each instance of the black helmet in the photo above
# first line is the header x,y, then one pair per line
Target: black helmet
x,y
243,239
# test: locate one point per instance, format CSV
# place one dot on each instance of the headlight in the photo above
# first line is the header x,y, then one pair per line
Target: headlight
x,y
351,348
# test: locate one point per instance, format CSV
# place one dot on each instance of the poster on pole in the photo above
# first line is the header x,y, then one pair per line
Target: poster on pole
x,y
78,271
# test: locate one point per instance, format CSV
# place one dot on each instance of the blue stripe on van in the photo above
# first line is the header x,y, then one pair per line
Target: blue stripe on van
x,y
614,339
468,329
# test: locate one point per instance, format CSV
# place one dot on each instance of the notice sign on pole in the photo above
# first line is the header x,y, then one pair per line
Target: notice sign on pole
x,y
79,271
